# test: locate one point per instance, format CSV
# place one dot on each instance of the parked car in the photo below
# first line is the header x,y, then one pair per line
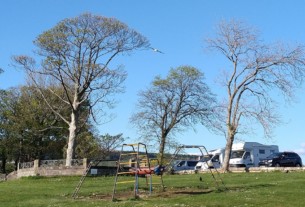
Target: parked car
x,y
179,165
282,159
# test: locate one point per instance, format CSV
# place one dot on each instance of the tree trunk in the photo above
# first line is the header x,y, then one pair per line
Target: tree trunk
x,y
3,166
226,164
71,141
161,151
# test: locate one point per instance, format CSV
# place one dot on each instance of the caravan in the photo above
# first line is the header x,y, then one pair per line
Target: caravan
x,y
248,154
214,159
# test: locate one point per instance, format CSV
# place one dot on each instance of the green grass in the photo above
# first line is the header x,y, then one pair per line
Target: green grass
x,y
243,189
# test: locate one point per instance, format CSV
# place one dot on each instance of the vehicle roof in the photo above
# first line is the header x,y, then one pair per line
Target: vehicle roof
x,y
243,145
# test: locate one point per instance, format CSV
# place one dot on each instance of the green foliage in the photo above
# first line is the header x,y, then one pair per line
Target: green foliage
x,y
88,146
31,130
178,75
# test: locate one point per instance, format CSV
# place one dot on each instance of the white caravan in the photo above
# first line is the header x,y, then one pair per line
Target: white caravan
x,y
214,159
248,154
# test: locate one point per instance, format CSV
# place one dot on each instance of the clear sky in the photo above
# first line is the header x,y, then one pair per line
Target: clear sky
x,y
176,27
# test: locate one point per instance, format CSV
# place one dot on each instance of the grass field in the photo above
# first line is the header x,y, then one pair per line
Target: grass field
x,y
242,189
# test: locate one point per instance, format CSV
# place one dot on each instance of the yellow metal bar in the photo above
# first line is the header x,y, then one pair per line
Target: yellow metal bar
x,y
121,173
131,144
130,153
122,182
124,163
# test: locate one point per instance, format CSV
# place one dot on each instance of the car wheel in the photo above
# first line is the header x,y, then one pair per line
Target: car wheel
x,y
298,165
277,165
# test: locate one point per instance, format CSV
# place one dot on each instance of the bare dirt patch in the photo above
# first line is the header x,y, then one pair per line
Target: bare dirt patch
x,y
128,195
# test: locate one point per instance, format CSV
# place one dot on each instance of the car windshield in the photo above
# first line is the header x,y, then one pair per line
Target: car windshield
x,y
205,158
274,155
237,154
175,162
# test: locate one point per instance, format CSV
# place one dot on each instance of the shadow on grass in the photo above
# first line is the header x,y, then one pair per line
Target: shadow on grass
x,y
172,192
248,187
193,192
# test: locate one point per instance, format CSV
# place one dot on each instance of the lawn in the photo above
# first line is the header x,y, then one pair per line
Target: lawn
x,y
241,189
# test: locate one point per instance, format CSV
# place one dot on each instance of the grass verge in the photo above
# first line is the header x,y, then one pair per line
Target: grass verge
x,y
243,189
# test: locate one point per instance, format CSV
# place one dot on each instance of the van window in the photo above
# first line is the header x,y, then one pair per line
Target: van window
x,y
247,155
291,155
192,163
237,154
261,151
206,158
215,158
181,163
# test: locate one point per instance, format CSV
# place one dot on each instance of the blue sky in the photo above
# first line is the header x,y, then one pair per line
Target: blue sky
x,y
177,28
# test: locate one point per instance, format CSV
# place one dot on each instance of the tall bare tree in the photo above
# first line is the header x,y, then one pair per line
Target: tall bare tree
x,y
258,71
76,54
173,104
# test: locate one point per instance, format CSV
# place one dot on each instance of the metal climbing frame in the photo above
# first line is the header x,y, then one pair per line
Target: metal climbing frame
x,y
203,151
134,162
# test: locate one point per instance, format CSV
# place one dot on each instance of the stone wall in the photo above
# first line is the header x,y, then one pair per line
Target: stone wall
x,y
46,168
58,168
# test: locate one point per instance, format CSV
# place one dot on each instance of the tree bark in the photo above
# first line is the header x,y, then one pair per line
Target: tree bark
x,y
161,151
71,141
226,165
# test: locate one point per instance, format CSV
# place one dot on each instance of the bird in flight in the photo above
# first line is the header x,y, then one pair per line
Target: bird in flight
x,y
156,50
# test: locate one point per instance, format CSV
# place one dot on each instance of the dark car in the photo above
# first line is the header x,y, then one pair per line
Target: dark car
x,y
282,159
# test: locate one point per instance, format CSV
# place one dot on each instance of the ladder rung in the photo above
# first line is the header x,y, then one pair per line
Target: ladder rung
x,y
122,182
124,163
121,173
130,153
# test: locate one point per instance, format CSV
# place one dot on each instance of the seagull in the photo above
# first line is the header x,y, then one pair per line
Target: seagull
x,y
156,50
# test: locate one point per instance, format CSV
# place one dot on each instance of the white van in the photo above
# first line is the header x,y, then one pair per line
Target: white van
x,y
248,154
214,159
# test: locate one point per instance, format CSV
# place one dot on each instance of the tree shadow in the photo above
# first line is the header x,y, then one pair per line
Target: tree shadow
x,y
248,187
193,192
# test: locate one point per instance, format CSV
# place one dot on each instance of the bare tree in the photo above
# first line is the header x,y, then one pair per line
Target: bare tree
x,y
76,54
258,71
173,104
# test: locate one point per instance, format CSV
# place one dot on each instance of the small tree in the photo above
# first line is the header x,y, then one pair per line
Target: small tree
x,y
76,54
109,143
257,71
88,146
173,104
